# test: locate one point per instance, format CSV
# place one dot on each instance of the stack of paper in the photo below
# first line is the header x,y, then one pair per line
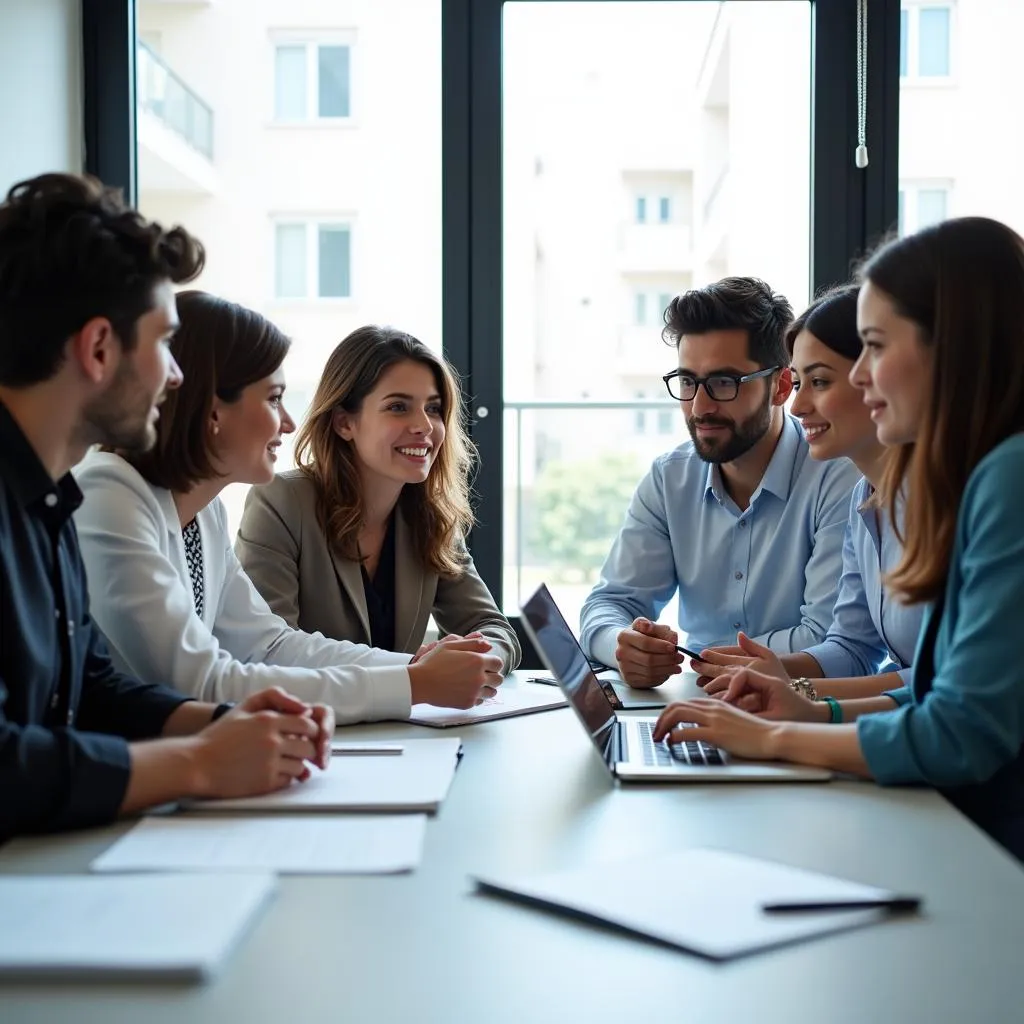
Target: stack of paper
x,y
315,844
715,905
170,927
511,699
417,779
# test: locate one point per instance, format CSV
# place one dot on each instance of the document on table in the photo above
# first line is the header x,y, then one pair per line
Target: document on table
x,y
415,780
716,900
307,844
177,927
511,699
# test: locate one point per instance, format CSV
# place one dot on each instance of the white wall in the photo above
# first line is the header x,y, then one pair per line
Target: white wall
x,y
40,88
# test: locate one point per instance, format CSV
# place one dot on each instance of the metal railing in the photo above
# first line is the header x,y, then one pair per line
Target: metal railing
x,y
517,408
163,94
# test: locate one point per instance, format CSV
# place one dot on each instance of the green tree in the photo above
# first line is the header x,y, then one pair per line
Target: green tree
x,y
578,509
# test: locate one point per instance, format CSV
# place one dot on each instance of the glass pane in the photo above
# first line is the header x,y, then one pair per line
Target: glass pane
x,y
290,261
931,206
333,86
955,136
335,270
904,41
642,174
933,41
901,200
290,83
259,196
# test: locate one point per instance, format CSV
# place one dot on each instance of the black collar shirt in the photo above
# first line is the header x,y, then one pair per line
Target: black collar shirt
x,y
66,715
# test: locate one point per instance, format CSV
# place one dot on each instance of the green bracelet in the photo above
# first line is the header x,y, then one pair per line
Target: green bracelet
x,y
835,710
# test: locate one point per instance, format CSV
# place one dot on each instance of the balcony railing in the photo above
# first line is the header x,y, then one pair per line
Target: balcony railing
x,y
163,94
595,453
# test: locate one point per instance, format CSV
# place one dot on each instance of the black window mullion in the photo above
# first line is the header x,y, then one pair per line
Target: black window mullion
x,y
108,79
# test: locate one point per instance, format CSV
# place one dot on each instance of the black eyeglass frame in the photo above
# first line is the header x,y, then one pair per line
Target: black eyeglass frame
x,y
699,382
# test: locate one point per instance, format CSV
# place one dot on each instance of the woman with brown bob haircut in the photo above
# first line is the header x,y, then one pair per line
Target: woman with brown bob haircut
x,y
941,314
166,587
366,539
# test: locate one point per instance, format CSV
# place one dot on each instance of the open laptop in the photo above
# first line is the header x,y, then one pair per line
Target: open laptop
x,y
624,744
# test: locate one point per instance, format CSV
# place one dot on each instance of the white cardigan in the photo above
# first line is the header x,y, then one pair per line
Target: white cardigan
x,y
141,596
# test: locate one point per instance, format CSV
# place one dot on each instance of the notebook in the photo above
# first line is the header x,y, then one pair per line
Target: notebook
x,y
291,844
714,900
178,927
417,779
512,698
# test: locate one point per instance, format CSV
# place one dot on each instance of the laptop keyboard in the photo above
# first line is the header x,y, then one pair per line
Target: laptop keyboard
x,y
665,754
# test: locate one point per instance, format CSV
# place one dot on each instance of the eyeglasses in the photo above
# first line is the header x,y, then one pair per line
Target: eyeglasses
x,y
721,387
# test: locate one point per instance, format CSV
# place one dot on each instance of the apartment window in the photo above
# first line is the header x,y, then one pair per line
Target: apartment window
x,y
664,209
312,81
925,43
641,209
921,205
640,308
640,415
312,260
664,298
666,421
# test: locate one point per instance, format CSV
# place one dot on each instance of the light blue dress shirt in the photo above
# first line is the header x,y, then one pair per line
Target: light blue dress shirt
x,y
960,725
868,624
771,569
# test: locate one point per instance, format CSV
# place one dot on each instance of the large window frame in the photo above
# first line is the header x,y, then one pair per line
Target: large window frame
x,y
851,208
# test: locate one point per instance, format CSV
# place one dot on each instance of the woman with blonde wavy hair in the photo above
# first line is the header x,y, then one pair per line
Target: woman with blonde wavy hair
x,y
365,540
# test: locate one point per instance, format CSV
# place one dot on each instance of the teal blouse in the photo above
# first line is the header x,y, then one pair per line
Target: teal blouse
x,y
960,723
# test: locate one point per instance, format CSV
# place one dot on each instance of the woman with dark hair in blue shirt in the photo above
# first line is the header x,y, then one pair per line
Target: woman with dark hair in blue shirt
x,y
941,314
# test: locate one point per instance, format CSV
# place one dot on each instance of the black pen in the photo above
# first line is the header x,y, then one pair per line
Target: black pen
x,y
897,904
688,653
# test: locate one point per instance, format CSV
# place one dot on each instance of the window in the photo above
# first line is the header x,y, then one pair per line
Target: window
x,y
921,205
312,260
312,81
624,225
925,31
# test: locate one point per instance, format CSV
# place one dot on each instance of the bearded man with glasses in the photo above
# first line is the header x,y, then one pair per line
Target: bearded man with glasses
x,y
739,520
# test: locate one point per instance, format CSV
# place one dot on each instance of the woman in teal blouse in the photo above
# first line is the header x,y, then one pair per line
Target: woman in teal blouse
x,y
941,314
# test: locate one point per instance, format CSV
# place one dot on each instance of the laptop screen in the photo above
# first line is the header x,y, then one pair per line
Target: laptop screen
x,y
566,661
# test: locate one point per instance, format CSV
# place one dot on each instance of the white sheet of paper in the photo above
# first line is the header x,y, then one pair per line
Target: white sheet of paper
x,y
415,780
519,699
308,844
179,926
713,904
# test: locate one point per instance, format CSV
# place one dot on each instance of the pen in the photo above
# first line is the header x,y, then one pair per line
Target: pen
x,y
897,904
546,680
366,749
688,653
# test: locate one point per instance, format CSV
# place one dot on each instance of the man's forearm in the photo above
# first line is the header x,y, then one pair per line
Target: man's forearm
x,y
187,719
161,771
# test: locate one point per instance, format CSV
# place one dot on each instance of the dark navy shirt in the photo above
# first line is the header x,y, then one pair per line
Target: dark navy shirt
x,y
66,715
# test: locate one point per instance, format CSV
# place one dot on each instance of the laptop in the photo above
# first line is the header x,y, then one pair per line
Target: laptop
x,y
624,744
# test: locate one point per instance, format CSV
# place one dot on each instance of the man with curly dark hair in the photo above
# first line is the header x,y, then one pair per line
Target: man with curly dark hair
x,y
87,310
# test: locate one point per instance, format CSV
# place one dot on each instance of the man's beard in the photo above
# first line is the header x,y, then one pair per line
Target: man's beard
x,y
740,439
120,417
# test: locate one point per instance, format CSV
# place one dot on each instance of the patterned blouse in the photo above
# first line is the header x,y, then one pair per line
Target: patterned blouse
x,y
194,557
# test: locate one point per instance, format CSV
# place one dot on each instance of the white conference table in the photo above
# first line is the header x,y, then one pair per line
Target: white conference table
x,y
531,795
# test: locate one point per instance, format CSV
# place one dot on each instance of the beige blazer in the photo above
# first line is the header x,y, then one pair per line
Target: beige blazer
x,y
284,551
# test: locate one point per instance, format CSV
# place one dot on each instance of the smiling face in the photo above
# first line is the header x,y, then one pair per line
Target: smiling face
x,y
895,369
399,429
723,431
831,410
248,431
